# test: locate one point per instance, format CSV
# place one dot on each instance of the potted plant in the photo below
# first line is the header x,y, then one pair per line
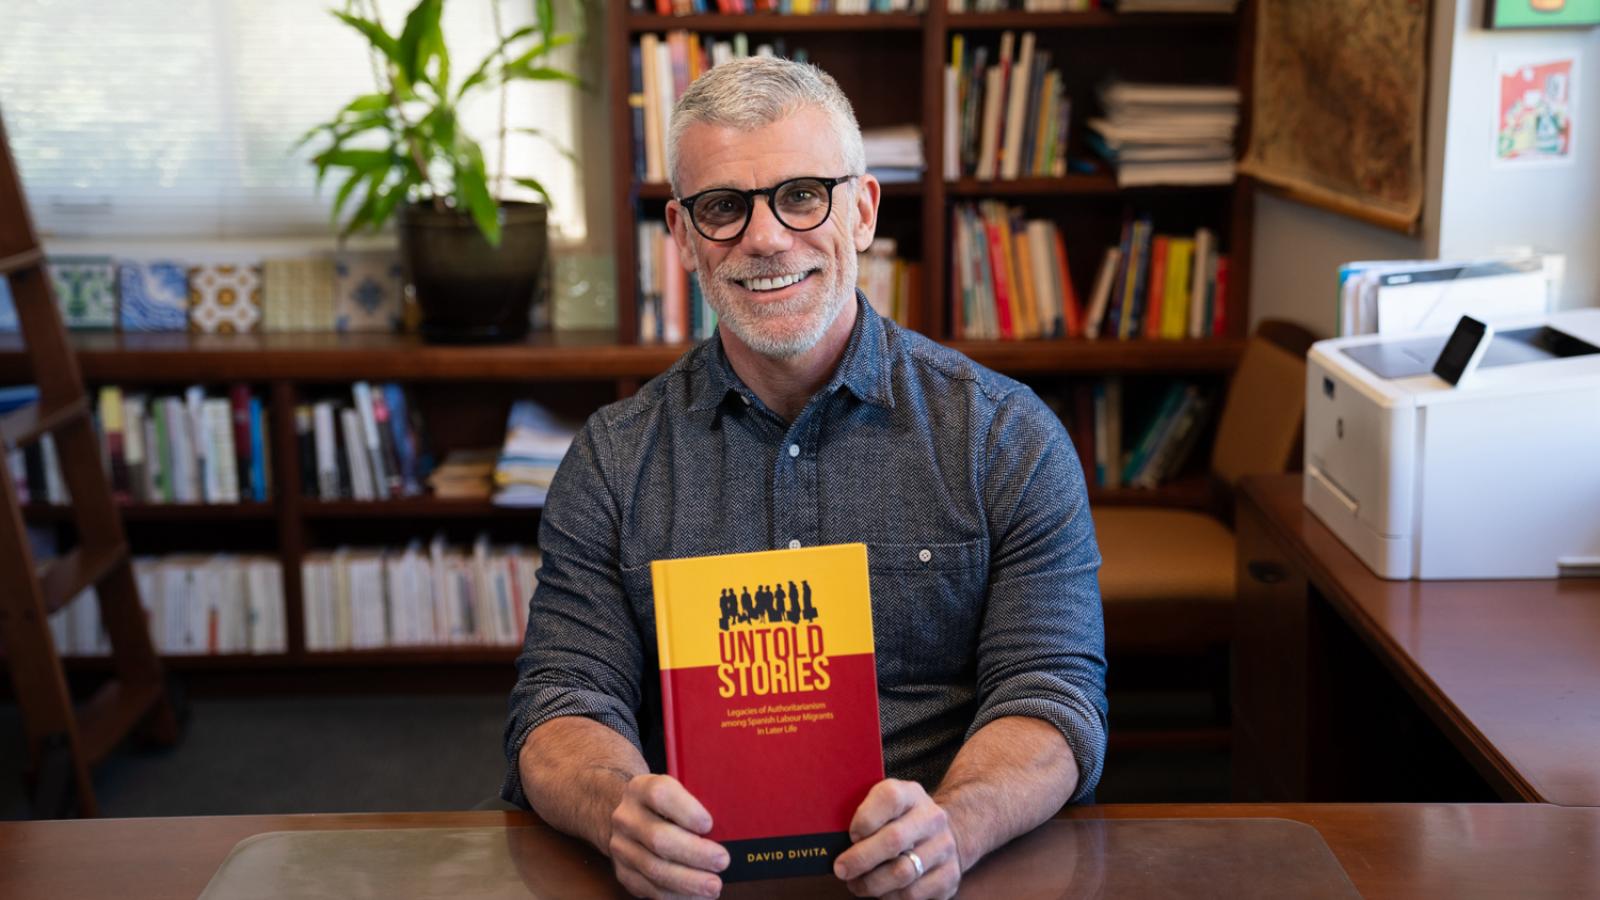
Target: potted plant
x,y
476,260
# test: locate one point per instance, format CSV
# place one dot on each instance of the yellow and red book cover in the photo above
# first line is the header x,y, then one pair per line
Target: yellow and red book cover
x,y
770,699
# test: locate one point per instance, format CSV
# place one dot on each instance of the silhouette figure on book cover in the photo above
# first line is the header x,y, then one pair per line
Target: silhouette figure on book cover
x,y
771,604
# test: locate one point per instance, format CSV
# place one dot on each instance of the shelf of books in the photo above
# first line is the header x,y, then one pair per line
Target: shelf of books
x,y
375,500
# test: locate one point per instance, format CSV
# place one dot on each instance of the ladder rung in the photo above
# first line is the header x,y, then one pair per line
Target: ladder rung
x,y
111,713
21,427
16,262
65,577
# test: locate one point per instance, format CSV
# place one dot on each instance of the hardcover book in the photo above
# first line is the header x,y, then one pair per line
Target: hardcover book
x,y
770,700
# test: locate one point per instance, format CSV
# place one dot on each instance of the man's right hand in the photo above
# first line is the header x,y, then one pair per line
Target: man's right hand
x,y
656,845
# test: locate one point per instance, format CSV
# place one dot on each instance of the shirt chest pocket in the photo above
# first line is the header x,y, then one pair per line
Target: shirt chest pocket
x,y
927,603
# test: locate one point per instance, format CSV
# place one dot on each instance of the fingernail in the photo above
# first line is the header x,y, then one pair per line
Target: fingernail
x,y
722,862
838,871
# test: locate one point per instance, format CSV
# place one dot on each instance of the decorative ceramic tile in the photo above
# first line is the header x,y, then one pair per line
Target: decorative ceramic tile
x,y
155,295
297,294
224,299
370,286
8,309
86,290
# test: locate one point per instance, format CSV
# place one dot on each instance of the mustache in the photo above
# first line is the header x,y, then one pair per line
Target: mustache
x,y
745,269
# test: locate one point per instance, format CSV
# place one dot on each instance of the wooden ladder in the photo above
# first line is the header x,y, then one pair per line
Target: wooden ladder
x,y
61,741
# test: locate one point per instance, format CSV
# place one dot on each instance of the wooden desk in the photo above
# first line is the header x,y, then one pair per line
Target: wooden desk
x,y
1508,672
1386,850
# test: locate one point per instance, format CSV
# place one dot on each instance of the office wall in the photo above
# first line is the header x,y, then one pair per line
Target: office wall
x,y
1552,209
1298,248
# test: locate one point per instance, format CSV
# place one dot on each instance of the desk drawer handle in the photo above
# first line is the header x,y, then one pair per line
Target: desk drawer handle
x,y
1266,572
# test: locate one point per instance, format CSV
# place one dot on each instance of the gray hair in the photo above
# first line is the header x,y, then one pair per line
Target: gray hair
x,y
757,91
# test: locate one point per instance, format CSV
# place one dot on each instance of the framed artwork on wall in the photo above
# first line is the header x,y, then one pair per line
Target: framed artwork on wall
x,y
1541,13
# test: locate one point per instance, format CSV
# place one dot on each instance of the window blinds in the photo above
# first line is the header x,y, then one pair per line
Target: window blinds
x,y
177,118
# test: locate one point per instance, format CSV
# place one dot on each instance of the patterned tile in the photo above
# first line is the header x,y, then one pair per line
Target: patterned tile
x,y
155,295
297,294
224,299
370,287
86,290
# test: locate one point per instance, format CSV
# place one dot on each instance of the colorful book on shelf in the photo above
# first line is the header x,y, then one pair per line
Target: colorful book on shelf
x,y
1155,288
770,699
1175,290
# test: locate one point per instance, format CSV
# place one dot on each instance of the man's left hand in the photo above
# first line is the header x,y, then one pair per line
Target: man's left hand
x,y
897,817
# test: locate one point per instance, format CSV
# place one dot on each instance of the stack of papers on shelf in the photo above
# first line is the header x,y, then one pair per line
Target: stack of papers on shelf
x,y
465,475
1400,296
535,443
894,154
1167,133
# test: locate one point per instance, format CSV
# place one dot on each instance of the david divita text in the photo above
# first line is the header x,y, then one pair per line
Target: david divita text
x,y
775,855
786,659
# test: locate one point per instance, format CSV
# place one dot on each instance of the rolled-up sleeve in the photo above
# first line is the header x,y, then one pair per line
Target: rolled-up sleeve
x,y
1041,647
581,655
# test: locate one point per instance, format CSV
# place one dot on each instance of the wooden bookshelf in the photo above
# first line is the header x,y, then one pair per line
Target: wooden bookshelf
x,y
891,66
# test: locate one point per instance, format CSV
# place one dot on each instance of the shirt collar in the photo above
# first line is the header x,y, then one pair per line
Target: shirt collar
x,y
864,368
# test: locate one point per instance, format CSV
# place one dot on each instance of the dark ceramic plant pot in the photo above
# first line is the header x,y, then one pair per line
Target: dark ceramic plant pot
x,y
470,292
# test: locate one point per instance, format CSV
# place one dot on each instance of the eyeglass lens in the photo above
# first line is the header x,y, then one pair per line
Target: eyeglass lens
x,y
801,204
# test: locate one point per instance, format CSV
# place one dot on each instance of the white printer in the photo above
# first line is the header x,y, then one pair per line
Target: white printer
x,y
1496,478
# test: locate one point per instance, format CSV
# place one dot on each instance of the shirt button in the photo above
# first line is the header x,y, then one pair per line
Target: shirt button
x,y
794,544
745,399
794,450
924,555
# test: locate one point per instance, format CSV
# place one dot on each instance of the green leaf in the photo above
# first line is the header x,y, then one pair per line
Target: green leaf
x,y
374,34
545,10
366,103
543,48
419,39
440,126
536,187
540,73
481,73
345,190
364,215
472,188
363,160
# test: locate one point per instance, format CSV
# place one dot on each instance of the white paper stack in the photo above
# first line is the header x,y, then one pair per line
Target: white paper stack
x,y
536,441
1400,296
1167,133
894,154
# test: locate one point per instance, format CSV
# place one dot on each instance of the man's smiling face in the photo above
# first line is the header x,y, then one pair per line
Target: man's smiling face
x,y
776,290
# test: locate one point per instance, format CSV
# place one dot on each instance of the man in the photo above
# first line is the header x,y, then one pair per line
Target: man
x,y
809,420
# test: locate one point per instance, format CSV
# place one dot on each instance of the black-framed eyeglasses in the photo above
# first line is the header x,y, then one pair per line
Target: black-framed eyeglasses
x,y
799,204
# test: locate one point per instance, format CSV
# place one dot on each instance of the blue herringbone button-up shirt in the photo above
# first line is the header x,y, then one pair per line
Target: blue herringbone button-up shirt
x,y
962,484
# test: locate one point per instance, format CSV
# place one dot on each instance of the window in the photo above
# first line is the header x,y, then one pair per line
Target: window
x,y
177,118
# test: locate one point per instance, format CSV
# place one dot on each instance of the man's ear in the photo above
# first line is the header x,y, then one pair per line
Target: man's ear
x,y
867,194
678,224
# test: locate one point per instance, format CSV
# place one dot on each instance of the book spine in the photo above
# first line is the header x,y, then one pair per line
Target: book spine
x,y
258,490
392,484
327,450
370,440
200,477
115,442
243,447
405,440
224,484
134,422
357,461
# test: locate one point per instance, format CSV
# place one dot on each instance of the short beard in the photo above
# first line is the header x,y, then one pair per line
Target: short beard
x,y
748,326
